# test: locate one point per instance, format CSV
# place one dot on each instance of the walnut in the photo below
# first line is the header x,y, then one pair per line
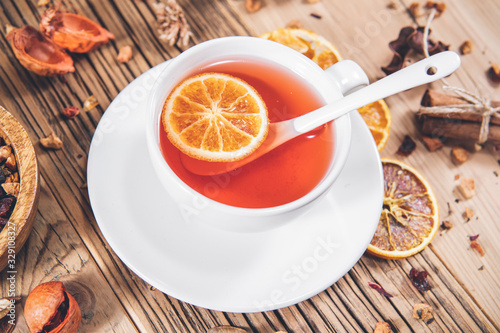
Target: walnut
x,y
467,187
125,54
253,5
382,327
5,152
52,141
171,23
423,312
11,188
466,47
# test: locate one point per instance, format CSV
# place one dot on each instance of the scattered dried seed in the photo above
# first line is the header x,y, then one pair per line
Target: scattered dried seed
x,y
481,268
317,16
71,112
459,155
466,47
125,54
467,187
52,141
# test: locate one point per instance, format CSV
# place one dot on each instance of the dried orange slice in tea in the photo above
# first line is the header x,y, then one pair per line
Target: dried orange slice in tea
x,y
410,214
215,117
320,50
309,43
378,118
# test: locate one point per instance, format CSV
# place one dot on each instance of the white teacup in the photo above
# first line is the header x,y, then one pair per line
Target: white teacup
x,y
330,84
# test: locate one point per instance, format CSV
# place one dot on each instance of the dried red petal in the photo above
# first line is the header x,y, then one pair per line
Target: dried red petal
x,y
473,238
476,246
379,289
419,280
407,146
71,111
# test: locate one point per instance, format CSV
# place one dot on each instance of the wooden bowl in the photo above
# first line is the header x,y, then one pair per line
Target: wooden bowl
x,y
16,232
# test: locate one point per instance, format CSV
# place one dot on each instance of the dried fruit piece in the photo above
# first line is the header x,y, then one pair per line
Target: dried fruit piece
x,y
382,327
414,9
494,73
466,47
50,308
423,312
467,187
475,245
419,280
432,144
459,155
38,53
469,213
90,103
52,141
11,189
407,146
253,5
71,111
73,32
379,289
125,54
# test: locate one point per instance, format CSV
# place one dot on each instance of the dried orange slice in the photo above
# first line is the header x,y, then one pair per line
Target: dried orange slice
x,y
410,214
215,117
378,118
320,50
309,43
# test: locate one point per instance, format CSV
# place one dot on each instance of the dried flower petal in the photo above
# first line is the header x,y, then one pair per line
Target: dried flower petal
x,y
466,47
172,26
473,237
476,246
52,141
90,103
407,146
379,289
419,280
71,111
125,54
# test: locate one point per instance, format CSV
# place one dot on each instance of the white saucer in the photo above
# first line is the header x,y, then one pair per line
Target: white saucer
x,y
209,267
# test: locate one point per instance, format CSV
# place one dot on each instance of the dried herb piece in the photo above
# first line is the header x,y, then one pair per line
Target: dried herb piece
x,y
419,280
379,289
423,312
407,146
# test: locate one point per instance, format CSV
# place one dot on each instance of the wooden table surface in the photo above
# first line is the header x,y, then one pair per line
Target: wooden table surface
x,y
66,243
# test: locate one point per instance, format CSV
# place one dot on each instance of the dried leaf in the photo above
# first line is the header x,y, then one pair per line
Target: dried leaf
x,y
419,280
473,238
379,289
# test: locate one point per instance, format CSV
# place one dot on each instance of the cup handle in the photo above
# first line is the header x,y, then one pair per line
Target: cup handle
x,y
348,75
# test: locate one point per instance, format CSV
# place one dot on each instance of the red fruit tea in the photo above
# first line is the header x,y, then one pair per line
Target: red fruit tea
x,y
283,175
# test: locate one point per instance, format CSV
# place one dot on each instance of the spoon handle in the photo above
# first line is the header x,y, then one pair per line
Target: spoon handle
x,y
424,71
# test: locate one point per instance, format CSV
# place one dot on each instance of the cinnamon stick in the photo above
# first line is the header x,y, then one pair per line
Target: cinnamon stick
x,y
454,125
